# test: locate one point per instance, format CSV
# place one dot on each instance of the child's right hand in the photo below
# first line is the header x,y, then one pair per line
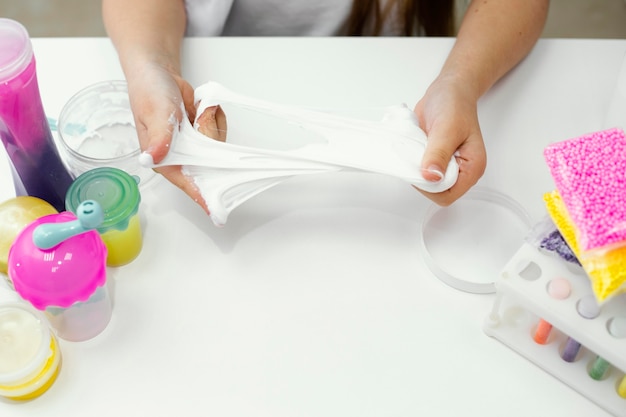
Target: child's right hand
x,y
157,99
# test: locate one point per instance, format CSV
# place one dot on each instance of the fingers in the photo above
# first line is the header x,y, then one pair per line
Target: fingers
x,y
472,160
155,133
440,148
159,101
212,123
448,115
155,121
187,94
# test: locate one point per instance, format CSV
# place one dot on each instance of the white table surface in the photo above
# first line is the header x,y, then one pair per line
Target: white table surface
x,y
313,300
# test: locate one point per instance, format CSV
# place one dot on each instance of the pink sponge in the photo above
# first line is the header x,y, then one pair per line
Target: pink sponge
x,y
590,175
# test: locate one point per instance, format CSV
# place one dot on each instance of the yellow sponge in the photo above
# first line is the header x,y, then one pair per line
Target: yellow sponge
x,y
606,267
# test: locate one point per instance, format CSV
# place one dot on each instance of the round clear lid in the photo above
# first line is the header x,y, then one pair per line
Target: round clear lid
x,y
467,244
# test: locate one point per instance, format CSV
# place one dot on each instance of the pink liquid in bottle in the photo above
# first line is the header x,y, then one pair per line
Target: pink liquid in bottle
x,y
36,165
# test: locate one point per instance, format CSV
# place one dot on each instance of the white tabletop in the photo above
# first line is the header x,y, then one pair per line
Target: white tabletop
x,y
313,300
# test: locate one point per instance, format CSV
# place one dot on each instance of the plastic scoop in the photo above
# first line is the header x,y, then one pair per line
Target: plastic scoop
x,y
229,174
48,235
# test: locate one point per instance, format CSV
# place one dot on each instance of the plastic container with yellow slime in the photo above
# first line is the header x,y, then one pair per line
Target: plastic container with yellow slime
x,y
30,358
118,194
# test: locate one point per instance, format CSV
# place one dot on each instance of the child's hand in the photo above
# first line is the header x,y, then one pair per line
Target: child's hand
x,y
158,99
448,115
212,123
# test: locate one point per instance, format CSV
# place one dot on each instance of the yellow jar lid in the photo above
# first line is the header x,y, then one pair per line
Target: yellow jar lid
x,y
15,214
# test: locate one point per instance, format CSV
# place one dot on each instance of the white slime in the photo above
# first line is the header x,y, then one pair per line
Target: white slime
x,y
229,174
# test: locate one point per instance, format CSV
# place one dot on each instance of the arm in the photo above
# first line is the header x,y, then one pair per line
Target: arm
x,y
146,29
494,36
147,35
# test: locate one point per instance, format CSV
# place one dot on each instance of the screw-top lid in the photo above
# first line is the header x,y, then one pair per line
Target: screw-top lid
x,y
115,190
67,273
16,50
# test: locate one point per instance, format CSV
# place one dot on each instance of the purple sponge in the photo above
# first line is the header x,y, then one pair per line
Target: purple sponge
x,y
590,175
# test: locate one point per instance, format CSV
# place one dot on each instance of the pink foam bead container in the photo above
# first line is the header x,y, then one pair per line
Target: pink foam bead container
x,y
588,172
67,281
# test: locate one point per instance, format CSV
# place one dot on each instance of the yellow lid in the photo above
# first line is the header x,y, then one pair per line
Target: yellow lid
x,y
15,214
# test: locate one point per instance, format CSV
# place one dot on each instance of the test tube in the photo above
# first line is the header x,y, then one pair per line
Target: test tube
x,y
542,332
571,349
558,289
621,388
599,368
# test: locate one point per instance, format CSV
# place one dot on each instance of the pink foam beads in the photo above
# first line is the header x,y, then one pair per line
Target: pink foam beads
x,y
590,175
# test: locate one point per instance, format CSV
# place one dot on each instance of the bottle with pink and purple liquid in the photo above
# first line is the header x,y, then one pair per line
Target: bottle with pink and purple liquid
x,y
35,162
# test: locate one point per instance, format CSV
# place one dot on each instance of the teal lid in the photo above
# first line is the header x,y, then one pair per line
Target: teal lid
x,y
115,190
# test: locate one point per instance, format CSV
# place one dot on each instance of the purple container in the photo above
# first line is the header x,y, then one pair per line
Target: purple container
x,y
35,162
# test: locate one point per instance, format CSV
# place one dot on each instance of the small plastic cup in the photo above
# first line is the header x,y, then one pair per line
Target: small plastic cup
x,y
66,280
97,129
118,194
30,359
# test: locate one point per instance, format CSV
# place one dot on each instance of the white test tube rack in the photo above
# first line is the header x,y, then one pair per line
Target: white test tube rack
x,y
522,300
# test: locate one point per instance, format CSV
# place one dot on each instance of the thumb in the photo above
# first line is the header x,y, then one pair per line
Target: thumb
x,y
155,134
440,148
158,114
155,121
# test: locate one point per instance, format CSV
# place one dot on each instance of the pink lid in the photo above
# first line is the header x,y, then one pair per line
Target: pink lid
x,y
16,50
67,273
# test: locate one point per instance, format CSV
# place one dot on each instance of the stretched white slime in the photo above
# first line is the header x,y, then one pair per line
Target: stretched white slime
x,y
228,174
